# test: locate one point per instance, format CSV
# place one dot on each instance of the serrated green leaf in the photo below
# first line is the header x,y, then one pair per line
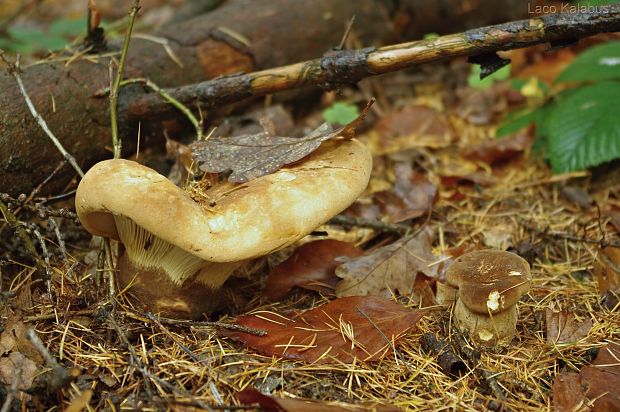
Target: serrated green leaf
x,y
598,63
340,113
584,128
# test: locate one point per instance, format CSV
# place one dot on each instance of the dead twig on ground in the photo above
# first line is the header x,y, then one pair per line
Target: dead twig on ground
x,y
58,377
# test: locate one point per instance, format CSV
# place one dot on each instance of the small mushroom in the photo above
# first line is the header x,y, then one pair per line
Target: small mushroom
x,y
179,251
490,283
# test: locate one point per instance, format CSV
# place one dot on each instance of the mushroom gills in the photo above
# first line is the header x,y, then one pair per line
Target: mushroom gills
x,y
147,251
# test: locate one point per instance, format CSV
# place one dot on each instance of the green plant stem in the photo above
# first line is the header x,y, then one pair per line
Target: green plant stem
x,y
168,97
116,141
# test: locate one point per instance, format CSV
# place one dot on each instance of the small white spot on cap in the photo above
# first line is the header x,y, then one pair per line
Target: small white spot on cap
x,y
515,273
286,176
485,335
493,300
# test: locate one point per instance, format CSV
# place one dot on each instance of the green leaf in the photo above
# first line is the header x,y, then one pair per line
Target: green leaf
x,y
32,39
474,77
68,27
598,63
584,128
597,2
341,113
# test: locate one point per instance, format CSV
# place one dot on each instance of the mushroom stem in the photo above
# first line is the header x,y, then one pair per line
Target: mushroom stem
x,y
174,282
153,287
487,329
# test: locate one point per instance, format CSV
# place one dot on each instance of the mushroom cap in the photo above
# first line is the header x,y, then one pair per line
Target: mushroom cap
x,y
489,281
239,221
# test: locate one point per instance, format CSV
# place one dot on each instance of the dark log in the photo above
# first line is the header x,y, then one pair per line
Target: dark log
x,y
208,46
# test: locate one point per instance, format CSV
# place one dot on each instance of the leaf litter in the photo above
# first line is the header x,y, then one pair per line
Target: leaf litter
x,y
560,241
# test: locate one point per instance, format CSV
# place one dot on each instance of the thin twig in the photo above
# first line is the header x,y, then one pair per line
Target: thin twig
x,y
336,68
21,232
351,221
59,377
14,71
46,258
6,406
347,31
184,348
190,323
397,354
116,141
164,95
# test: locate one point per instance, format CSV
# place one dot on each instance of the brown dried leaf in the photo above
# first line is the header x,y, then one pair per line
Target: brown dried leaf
x,y
597,385
500,150
311,266
391,268
9,366
14,338
414,195
275,404
343,330
253,155
413,126
607,269
563,327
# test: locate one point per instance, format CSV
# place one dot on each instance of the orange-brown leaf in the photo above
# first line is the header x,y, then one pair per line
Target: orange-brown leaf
x,y
343,330
598,384
311,266
563,327
275,404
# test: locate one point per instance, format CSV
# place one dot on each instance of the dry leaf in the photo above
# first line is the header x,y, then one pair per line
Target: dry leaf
x,y
253,155
10,365
563,327
275,404
413,126
343,330
14,338
391,268
415,194
311,266
597,385
607,269
499,150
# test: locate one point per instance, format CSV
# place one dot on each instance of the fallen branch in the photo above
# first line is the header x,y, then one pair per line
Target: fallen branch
x,y
337,68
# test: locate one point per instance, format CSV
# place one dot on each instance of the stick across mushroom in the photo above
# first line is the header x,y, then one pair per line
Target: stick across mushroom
x,y
489,283
178,251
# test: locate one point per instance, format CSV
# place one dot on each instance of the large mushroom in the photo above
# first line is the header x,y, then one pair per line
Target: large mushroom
x,y
489,283
179,251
